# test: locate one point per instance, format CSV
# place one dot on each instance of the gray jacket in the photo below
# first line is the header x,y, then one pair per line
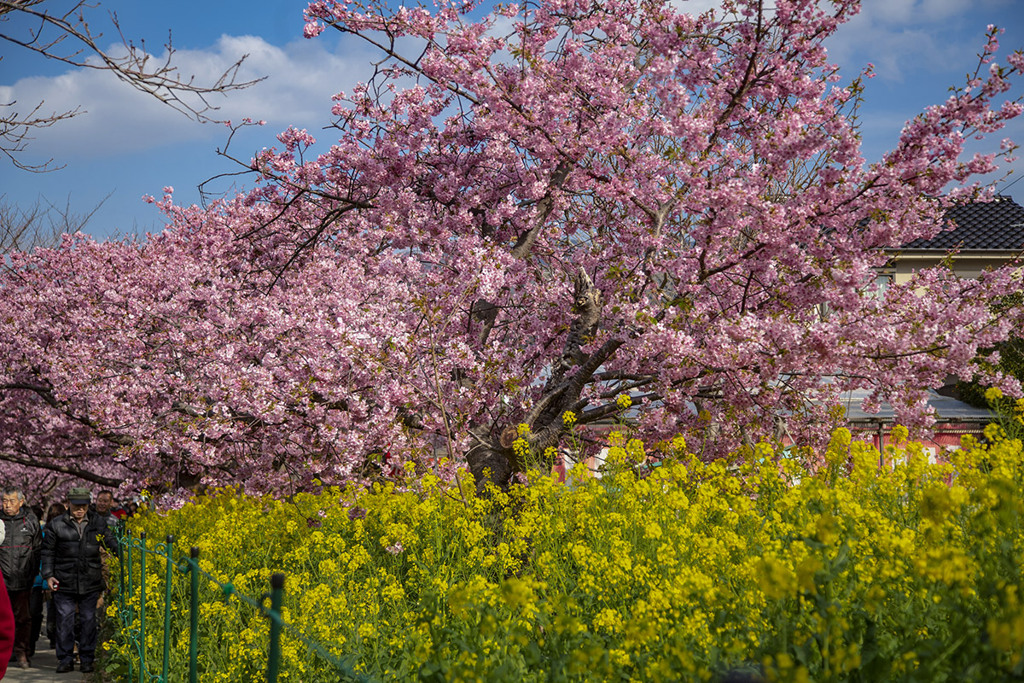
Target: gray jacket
x,y
19,550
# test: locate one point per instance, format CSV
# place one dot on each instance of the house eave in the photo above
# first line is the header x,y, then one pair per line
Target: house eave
x,y
988,254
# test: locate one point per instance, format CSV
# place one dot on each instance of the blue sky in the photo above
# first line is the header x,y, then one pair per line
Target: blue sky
x,y
127,145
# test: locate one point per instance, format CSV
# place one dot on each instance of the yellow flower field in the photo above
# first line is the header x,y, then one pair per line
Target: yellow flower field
x,y
683,571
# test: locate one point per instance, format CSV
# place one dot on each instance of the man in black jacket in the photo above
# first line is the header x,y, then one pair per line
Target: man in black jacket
x,y
19,561
72,569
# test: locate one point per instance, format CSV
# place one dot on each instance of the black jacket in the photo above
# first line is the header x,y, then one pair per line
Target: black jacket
x,y
75,560
19,553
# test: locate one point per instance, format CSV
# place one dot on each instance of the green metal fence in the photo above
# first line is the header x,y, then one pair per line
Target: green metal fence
x,y
180,579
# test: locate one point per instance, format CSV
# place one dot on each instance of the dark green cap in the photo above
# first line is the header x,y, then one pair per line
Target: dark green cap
x,y
79,495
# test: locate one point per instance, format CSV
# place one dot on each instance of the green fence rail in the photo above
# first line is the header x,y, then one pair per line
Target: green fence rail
x,y
180,578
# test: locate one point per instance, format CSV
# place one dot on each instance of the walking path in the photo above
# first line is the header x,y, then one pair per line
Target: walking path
x,y
44,668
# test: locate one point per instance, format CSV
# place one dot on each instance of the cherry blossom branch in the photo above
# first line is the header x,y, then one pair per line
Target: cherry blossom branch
x,y
37,462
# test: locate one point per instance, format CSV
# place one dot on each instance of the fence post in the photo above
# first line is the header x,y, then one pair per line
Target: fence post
x,y
122,536
129,610
274,658
193,617
169,578
131,583
142,607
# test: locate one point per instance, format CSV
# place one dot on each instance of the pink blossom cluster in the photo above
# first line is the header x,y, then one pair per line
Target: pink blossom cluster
x,y
532,213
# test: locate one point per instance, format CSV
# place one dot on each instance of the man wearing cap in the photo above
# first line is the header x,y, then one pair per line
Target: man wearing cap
x,y
72,569
19,562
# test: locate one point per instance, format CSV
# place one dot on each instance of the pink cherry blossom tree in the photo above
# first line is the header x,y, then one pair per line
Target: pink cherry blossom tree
x,y
527,215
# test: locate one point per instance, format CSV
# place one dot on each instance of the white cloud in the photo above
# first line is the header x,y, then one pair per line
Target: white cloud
x,y
904,37
696,6
921,11
300,79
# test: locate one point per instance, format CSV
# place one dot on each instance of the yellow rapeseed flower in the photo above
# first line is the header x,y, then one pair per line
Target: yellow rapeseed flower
x,y
672,573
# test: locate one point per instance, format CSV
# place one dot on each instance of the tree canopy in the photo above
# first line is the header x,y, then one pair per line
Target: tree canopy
x,y
525,218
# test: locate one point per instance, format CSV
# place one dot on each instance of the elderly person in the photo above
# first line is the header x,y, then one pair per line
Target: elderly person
x,y
19,561
72,569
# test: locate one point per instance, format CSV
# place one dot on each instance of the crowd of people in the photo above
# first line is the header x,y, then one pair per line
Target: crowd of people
x,y
53,561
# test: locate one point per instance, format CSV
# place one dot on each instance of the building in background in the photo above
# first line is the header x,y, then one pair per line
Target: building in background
x,y
984,235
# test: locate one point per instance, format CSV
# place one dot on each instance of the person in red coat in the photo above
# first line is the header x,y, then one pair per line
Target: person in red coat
x,y
19,563
6,628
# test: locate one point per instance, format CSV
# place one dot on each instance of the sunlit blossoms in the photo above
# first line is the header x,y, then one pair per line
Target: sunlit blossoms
x,y
529,215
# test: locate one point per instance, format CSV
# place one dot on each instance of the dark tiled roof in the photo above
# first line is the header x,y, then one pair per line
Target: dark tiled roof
x,y
995,225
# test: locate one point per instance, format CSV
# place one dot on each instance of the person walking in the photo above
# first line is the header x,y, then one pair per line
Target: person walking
x,y
53,512
19,562
72,569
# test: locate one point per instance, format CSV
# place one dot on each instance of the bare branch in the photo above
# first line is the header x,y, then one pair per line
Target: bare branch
x,y
68,38
41,224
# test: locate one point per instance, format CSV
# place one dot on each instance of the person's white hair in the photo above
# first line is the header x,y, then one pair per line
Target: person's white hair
x,y
14,491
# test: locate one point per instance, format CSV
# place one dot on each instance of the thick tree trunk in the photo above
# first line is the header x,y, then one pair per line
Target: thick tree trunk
x,y
490,463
